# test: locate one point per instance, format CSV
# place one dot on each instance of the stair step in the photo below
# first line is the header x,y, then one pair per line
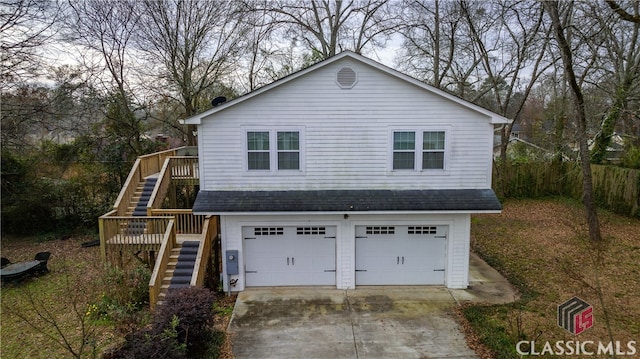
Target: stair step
x,y
179,285
185,264
183,272
189,250
187,258
191,244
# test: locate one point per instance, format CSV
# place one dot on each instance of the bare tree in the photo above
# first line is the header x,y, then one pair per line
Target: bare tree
x,y
623,13
107,28
25,26
581,116
328,27
620,69
72,329
263,59
435,48
512,45
195,45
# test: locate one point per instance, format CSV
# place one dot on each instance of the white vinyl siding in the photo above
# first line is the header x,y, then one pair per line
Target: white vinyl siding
x,y
346,140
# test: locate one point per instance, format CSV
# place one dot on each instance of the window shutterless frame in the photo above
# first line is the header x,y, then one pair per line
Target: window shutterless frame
x,y
279,150
424,149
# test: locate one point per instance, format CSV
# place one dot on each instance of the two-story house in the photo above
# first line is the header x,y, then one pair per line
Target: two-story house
x,y
346,173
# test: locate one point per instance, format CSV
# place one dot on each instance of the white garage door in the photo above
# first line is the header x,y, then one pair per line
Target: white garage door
x,y
290,255
400,255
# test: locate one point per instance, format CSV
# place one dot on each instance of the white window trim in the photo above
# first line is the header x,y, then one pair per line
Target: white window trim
x,y
418,150
273,151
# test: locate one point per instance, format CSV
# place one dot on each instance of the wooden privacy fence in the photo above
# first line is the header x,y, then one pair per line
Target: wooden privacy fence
x,y
615,188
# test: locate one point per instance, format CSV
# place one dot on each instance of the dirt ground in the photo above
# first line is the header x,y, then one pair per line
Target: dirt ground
x,y
543,246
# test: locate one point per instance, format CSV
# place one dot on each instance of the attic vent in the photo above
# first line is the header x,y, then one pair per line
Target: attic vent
x,y
346,78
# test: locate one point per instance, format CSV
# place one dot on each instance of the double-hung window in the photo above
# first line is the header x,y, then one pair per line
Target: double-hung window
x,y
273,150
419,150
258,153
288,150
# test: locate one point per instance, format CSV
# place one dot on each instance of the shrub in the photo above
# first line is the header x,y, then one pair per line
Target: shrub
x,y
193,307
147,344
127,293
182,328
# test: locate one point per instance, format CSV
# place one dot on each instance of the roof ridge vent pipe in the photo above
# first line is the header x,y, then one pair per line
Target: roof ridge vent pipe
x,y
218,101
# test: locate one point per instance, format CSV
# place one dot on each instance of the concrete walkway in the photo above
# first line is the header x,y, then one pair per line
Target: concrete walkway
x,y
367,322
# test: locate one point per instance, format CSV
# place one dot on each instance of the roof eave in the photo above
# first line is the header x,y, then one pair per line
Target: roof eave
x,y
341,213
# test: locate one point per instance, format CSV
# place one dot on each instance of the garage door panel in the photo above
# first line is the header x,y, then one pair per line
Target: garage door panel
x,y
400,255
290,255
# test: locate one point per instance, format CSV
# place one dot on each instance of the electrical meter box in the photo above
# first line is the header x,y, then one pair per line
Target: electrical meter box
x,y
232,262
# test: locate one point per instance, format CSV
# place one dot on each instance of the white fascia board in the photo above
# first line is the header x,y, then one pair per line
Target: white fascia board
x,y
341,213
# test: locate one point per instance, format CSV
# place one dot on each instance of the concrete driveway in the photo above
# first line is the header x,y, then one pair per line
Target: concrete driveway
x,y
367,322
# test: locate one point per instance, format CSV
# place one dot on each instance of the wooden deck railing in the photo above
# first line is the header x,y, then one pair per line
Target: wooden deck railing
x,y
204,252
181,168
131,233
164,253
186,221
148,165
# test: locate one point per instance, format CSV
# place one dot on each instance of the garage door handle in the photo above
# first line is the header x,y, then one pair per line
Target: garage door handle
x,y
398,260
402,259
329,270
251,271
438,270
440,237
334,237
287,260
293,261
361,270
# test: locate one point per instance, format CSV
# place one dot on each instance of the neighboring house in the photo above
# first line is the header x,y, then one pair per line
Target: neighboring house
x,y
343,174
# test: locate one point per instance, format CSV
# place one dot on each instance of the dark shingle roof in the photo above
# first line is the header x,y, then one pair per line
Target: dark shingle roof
x,y
464,200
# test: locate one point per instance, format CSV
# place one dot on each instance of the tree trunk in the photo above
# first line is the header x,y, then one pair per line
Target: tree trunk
x,y
581,133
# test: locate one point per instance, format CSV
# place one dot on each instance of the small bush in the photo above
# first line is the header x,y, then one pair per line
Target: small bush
x,y
147,344
182,328
195,312
126,296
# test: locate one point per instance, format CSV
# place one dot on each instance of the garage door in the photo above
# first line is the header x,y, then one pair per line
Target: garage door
x,y
400,255
290,255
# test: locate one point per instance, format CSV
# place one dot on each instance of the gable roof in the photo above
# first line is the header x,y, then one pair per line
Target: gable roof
x,y
495,118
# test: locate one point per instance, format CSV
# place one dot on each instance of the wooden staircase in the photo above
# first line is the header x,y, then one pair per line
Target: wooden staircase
x,y
180,268
138,202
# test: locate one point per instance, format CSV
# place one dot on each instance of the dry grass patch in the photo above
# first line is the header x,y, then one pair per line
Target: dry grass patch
x,y
62,296
542,246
